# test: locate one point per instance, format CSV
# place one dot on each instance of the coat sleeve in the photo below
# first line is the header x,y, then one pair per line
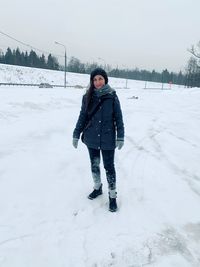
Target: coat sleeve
x,y
81,119
118,119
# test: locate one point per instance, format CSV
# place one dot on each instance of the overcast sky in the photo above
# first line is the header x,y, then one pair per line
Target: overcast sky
x,y
149,34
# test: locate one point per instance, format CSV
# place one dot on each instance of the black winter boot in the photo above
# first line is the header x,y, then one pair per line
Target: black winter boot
x,y
95,193
112,204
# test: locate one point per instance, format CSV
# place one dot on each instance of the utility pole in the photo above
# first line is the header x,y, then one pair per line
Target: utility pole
x,y
65,62
126,74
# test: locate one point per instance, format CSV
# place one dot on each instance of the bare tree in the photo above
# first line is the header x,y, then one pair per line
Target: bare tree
x,y
193,67
195,51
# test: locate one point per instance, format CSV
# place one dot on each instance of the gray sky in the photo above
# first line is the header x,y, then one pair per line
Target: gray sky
x,y
150,34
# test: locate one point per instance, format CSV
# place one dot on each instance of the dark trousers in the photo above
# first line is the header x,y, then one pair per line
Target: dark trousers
x,y
108,162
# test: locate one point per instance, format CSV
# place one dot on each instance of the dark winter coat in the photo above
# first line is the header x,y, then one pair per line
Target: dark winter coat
x,y
105,126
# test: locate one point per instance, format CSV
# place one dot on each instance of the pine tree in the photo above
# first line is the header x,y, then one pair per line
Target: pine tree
x,y
18,57
23,59
33,59
43,62
2,58
26,59
9,56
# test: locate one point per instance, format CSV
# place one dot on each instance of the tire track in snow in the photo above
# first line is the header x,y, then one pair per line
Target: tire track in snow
x,y
138,164
21,237
191,179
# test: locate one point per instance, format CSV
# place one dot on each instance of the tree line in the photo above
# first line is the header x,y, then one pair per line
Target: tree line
x,y
75,65
190,78
31,59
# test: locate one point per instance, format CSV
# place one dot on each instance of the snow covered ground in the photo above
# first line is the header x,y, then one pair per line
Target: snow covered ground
x,y
45,217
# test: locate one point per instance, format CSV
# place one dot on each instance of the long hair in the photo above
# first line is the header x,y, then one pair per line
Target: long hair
x,y
89,94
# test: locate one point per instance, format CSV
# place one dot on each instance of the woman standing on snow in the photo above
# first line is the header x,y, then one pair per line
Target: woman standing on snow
x,y
101,124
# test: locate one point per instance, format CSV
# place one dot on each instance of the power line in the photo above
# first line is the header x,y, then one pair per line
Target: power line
x,y
30,46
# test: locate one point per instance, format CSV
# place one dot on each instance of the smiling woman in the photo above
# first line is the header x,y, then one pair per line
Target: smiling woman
x,y
101,123
99,81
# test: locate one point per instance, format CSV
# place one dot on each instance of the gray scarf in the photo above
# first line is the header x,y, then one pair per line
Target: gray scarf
x,y
106,89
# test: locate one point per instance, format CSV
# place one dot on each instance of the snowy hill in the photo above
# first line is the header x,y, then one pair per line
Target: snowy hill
x,y
19,74
46,219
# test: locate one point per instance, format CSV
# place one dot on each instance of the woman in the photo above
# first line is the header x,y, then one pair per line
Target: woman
x,y
101,124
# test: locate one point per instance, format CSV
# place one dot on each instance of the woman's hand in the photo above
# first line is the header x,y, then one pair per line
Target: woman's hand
x,y
119,143
75,142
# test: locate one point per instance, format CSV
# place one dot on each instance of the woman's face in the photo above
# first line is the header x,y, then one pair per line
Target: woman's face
x,y
98,81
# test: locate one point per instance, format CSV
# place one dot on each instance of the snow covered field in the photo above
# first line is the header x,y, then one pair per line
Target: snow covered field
x,y
46,219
